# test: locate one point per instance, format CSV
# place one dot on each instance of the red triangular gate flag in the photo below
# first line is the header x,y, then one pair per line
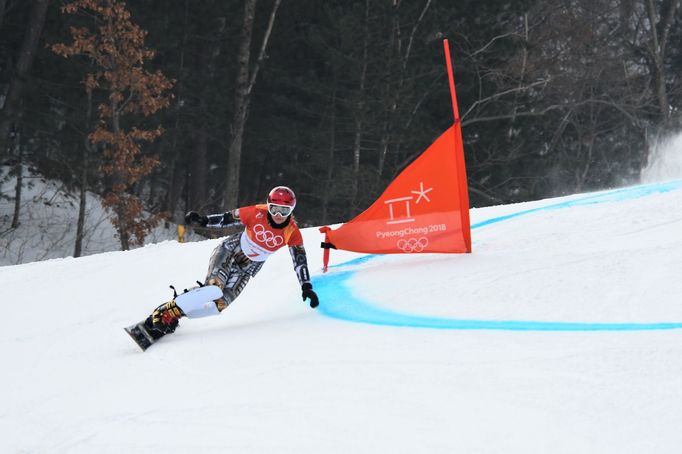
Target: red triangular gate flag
x,y
425,209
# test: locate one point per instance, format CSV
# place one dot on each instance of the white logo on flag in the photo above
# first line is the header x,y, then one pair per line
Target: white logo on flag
x,y
407,215
422,193
413,244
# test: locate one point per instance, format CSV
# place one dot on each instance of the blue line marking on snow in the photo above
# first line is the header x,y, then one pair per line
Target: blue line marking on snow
x,y
339,302
345,306
617,195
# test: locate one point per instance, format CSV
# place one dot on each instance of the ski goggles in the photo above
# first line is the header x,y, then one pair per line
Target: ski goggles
x,y
282,210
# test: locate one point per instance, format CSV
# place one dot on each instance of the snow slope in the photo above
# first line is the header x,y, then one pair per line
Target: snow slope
x,y
560,333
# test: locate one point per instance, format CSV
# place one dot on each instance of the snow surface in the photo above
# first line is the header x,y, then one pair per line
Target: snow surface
x,y
559,334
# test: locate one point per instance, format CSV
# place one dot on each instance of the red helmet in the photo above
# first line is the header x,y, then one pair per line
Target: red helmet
x,y
281,200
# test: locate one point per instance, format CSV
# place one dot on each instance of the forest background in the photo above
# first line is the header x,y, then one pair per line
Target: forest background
x,y
207,104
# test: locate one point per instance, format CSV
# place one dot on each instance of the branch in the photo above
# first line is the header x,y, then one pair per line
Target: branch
x,y
421,100
503,93
512,115
667,24
656,51
127,101
490,43
414,30
635,121
263,47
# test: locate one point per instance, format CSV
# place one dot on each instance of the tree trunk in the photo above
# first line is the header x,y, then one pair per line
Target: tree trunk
x,y
658,49
122,224
198,188
390,91
29,47
174,184
153,185
262,183
171,193
246,79
175,175
2,12
19,172
522,77
234,155
123,233
394,87
359,115
330,157
80,227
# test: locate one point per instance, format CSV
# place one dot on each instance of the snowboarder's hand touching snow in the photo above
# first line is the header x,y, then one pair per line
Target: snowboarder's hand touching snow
x,y
307,292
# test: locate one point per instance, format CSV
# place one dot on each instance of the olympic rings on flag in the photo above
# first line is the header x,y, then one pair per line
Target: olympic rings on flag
x,y
267,237
413,244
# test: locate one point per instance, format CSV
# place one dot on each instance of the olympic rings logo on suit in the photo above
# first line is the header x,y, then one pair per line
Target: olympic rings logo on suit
x,y
413,244
267,237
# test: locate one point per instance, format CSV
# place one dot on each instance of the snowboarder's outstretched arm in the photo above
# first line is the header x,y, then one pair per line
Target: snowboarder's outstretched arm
x,y
216,221
301,268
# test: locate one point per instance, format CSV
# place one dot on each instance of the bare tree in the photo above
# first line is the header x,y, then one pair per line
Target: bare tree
x,y
395,80
246,79
87,151
3,4
12,106
330,155
19,174
660,23
198,180
173,171
359,112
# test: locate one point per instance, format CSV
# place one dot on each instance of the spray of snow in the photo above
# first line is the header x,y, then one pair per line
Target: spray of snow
x,y
665,160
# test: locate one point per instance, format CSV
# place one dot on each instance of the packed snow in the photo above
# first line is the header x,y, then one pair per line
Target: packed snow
x,y
559,333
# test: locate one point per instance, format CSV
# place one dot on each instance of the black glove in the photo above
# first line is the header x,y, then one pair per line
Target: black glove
x,y
307,292
193,217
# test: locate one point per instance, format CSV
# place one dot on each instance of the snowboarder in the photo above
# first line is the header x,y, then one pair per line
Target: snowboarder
x,y
239,257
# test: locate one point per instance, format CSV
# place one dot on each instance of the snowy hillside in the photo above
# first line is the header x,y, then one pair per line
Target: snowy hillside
x,y
561,333
48,217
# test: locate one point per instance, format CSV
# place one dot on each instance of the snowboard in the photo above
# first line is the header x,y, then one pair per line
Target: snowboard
x,y
140,335
144,339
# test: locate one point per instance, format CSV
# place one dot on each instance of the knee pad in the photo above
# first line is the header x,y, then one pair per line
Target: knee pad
x,y
231,287
199,302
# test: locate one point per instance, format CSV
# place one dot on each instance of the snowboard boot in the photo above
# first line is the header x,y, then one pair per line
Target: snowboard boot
x,y
163,320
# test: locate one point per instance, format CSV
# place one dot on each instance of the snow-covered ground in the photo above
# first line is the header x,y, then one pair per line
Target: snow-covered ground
x,y
559,333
